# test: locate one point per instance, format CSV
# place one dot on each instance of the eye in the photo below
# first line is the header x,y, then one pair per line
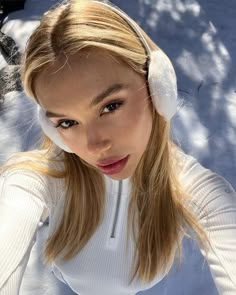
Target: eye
x,y
66,124
111,107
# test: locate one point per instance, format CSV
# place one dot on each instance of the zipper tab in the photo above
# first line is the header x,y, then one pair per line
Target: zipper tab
x,y
118,201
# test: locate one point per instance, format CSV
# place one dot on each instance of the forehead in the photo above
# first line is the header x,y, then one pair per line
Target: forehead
x,y
84,74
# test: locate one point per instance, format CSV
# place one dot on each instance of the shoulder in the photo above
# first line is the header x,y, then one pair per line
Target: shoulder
x,y
29,172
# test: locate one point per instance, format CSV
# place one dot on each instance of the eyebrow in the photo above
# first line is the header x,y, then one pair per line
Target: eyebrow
x,y
110,90
98,99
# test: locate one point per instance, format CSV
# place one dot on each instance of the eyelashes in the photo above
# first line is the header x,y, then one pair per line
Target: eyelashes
x,y
112,107
108,109
65,122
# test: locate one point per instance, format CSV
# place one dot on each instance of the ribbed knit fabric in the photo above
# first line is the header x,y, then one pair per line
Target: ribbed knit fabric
x,y
103,266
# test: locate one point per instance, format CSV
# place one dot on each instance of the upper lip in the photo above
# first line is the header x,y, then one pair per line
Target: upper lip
x,y
109,161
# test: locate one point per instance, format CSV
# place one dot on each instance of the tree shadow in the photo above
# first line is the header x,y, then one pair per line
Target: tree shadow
x,y
202,47
19,125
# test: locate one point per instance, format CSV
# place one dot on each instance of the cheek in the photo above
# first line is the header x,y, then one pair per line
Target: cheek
x,y
137,122
71,139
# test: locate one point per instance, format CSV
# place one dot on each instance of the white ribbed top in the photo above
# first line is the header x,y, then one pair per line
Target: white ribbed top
x,y
103,266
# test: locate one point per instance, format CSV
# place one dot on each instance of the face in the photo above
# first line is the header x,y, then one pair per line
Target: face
x,y
101,109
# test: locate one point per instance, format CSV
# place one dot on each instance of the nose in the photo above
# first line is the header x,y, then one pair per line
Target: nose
x,y
97,140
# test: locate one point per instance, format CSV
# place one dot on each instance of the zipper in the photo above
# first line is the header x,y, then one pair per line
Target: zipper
x,y
118,201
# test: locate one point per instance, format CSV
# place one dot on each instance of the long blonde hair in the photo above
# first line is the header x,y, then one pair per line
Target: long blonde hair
x,y
157,201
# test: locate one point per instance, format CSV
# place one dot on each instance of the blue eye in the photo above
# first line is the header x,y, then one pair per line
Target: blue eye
x,y
66,124
111,107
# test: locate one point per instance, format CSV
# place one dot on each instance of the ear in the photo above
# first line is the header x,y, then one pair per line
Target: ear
x,y
162,84
50,130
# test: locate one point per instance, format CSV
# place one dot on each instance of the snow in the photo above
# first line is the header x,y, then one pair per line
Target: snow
x,y
199,38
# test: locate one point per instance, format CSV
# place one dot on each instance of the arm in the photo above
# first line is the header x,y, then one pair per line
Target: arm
x,y
21,207
12,285
215,208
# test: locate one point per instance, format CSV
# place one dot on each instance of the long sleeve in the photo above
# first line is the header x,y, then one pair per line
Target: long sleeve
x,y
12,286
214,203
22,205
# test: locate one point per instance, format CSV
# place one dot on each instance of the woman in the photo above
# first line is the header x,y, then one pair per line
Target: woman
x,y
119,194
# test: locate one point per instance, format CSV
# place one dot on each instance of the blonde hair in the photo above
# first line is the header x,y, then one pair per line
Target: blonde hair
x,y
157,205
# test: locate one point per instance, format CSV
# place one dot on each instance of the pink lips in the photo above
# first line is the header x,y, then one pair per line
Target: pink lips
x,y
112,166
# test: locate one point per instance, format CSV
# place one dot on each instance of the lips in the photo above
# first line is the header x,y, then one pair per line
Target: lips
x,y
112,165
109,161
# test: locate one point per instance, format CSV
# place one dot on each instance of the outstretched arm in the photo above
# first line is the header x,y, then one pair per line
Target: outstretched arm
x,y
21,207
214,203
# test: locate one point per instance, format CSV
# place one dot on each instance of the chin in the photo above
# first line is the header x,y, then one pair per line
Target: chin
x,y
122,175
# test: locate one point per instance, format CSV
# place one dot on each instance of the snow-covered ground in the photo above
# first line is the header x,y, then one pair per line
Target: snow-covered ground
x,y
199,37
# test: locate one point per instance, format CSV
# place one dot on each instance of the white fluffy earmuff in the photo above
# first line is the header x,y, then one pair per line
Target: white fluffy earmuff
x,y
162,84
161,80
